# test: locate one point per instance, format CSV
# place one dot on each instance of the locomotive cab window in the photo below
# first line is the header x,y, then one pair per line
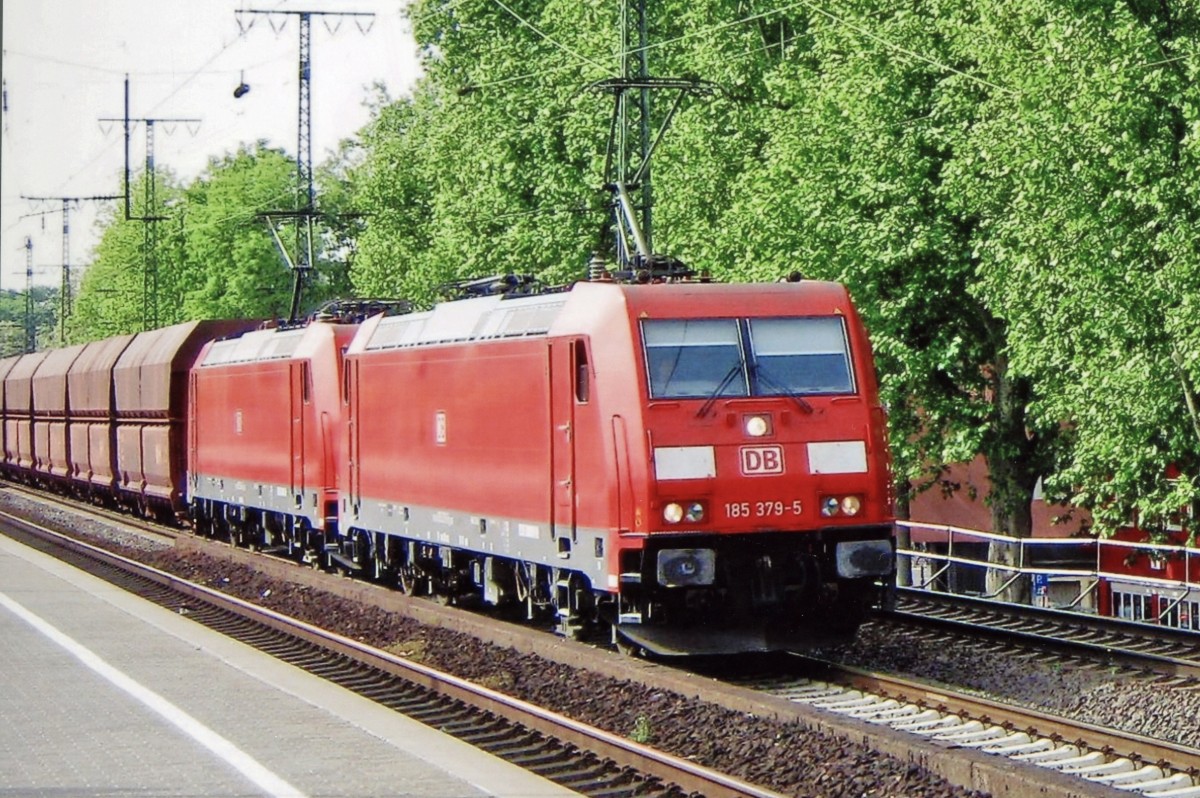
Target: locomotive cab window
x,y
582,388
694,358
709,358
801,356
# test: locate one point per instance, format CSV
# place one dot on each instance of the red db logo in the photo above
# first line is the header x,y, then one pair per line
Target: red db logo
x,y
758,461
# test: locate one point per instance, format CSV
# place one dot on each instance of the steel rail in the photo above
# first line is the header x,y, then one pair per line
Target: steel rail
x,y
1110,741
1160,649
151,529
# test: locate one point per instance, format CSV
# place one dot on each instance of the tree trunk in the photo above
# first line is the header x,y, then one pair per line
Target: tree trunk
x,y
1013,463
1016,522
903,536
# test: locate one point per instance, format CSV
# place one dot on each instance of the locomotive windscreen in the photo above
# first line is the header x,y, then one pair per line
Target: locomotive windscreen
x,y
694,358
801,356
707,358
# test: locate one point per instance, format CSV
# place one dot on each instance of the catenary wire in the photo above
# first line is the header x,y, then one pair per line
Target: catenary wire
x,y
556,43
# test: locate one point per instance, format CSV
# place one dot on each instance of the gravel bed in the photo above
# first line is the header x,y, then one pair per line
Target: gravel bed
x,y
783,756
129,539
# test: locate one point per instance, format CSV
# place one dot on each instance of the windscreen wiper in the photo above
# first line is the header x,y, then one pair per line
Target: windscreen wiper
x,y
712,398
760,374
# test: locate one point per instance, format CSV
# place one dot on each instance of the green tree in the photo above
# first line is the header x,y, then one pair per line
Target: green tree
x,y
215,253
13,320
823,154
485,169
232,267
1084,174
828,154
116,291
1007,188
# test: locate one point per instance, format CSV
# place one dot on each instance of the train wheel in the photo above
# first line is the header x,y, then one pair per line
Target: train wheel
x,y
380,571
407,580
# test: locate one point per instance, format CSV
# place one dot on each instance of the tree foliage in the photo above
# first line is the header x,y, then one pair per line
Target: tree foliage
x,y
15,315
1008,187
215,255
231,266
1085,170
116,295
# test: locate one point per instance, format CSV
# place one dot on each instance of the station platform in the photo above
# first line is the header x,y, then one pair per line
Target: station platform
x,y
105,694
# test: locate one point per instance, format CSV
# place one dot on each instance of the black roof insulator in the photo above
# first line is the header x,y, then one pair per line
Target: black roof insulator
x,y
655,269
508,285
356,311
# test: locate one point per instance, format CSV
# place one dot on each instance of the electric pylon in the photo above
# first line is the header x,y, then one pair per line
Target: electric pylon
x,y
305,205
149,217
66,297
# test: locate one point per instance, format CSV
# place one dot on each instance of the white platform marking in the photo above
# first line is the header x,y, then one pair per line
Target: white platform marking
x,y
240,760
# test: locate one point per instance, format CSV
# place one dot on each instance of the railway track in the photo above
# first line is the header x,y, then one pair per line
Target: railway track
x,y
151,530
937,714
1163,650
1171,652
1160,649
1108,757
580,757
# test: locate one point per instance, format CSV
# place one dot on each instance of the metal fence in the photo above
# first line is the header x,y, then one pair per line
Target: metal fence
x,y
1064,573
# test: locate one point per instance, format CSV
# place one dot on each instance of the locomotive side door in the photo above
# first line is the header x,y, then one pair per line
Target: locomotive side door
x,y
350,404
297,389
562,444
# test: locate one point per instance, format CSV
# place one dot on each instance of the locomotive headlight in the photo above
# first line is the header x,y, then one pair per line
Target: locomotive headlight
x,y
851,505
686,567
673,513
829,506
695,513
757,426
860,558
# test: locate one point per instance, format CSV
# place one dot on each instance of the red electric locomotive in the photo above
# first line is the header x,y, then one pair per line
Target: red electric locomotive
x,y
265,431
700,467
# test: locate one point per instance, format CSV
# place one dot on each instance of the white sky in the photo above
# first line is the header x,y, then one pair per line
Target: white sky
x,y
64,67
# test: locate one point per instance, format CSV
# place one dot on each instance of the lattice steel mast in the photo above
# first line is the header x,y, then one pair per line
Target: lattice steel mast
x,y
65,301
30,332
150,230
305,205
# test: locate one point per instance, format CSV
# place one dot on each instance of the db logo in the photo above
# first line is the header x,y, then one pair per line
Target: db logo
x,y
758,461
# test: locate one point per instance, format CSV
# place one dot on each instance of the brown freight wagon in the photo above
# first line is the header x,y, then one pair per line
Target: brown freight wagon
x,y
91,428
6,366
19,453
51,411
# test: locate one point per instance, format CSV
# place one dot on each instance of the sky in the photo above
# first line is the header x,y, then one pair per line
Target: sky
x,y
64,67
